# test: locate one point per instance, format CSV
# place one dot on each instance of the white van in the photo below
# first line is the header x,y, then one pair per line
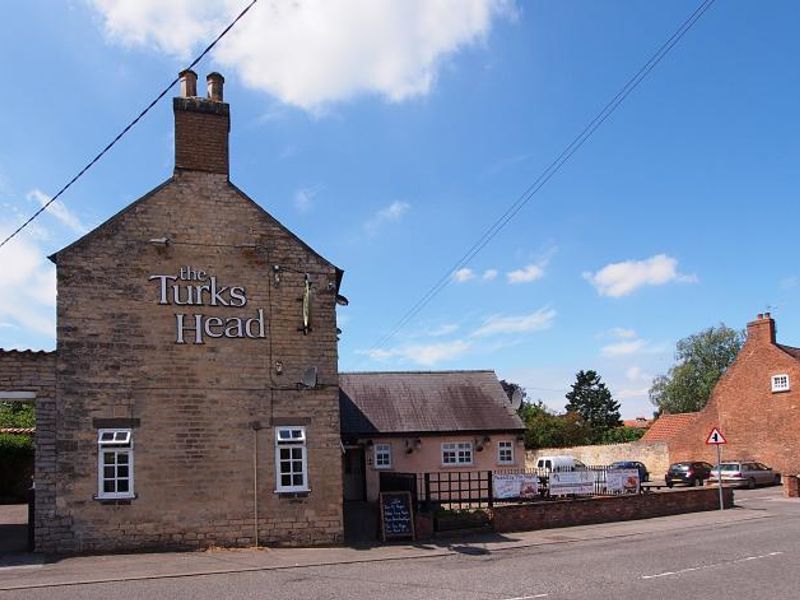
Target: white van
x,y
560,462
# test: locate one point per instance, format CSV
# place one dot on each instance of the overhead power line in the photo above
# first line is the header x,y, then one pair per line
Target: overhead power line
x,y
127,128
547,174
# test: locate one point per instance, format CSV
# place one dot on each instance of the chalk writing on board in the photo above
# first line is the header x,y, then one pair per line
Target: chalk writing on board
x,y
396,514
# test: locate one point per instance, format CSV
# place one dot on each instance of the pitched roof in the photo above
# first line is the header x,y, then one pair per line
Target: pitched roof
x,y
424,402
795,352
666,426
639,422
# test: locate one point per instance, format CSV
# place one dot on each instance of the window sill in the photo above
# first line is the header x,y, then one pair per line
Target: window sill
x,y
292,493
115,501
781,391
458,466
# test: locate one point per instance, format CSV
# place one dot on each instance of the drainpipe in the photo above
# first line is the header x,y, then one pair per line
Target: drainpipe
x,y
256,426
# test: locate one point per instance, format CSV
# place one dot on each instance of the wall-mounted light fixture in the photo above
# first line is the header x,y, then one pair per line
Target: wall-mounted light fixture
x,y
276,275
341,300
161,242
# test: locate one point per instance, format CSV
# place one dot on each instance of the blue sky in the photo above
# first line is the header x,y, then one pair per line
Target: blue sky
x,y
390,135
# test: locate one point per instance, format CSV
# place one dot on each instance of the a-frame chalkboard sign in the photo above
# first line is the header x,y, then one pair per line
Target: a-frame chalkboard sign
x,y
397,515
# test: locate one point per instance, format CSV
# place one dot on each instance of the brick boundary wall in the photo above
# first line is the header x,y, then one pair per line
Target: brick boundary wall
x,y
589,511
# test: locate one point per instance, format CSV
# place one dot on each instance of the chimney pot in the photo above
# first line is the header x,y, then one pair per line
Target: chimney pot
x,y
759,316
188,79
215,82
767,315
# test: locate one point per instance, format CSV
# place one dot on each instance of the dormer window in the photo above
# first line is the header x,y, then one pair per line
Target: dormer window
x,y
780,383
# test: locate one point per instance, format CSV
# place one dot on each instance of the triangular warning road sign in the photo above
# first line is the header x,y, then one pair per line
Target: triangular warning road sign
x,y
716,437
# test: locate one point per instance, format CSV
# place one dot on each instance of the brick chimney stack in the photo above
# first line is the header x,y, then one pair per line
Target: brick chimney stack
x,y
762,330
201,126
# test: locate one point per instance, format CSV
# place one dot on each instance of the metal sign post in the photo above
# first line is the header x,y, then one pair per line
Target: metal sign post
x,y
716,438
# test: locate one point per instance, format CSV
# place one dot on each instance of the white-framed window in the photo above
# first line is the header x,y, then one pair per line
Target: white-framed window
x,y
115,463
505,453
383,456
457,453
780,383
291,459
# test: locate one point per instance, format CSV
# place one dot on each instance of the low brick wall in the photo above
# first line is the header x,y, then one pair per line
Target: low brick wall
x,y
588,511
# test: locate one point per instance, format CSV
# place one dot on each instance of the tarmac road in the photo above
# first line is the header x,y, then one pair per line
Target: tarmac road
x,y
748,552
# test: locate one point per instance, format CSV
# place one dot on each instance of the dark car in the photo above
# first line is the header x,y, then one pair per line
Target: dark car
x,y
689,473
644,474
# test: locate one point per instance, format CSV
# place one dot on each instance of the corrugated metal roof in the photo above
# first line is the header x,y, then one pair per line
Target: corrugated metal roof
x,y
421,402
667,426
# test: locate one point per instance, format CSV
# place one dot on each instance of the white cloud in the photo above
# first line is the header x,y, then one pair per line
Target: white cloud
x,y
423,354
463,275
303,198
392,213
623,348
489,275
315,52
623,278
58,210
535,321
526,274
28,293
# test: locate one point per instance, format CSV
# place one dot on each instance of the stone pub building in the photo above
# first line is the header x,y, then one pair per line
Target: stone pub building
x,y
192,399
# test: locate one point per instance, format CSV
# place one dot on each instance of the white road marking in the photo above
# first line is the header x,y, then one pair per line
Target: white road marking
x,y
711,566
527,597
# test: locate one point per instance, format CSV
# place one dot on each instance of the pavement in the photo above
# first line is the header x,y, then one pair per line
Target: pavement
x,y
33,571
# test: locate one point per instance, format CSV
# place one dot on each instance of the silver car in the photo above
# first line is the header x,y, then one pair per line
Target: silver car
x,y
748,474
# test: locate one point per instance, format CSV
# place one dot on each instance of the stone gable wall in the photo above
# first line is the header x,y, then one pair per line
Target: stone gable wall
x,y
193,406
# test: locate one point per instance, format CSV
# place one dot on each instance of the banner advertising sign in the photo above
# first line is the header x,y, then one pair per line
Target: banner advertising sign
x,y
515,485
563,483
622,481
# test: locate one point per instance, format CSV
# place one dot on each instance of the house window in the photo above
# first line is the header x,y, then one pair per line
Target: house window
x,y
291,459
383,456
459,453
115,463
780,383
505,453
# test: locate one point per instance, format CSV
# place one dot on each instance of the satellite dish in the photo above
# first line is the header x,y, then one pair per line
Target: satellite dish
x,y
516,398
310,377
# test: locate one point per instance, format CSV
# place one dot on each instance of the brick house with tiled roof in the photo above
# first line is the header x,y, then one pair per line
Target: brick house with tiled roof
x,y
756,405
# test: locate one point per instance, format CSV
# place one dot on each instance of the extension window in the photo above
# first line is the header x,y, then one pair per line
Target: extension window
x,y
383,456
505,453
457,454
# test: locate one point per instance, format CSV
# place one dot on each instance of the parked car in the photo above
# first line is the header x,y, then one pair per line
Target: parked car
x,y
748,474
644,474
690,473
561,462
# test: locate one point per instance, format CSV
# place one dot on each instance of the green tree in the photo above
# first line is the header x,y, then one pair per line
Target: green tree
x,y
592,401
700,360
17,414
546,429
619,435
